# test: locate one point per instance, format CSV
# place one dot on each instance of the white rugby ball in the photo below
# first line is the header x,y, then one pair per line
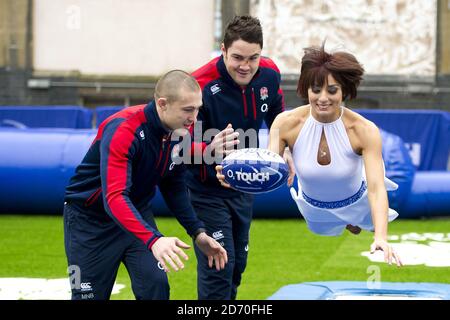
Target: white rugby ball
x,y
255,170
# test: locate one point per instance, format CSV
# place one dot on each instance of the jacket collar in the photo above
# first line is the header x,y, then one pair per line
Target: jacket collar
x,y
154,121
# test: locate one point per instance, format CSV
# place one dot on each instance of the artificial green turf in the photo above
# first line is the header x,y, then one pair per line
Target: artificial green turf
x,y
281,252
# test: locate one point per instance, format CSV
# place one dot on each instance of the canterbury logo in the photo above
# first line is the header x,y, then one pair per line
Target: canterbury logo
x,y
215,88
218,235
85,286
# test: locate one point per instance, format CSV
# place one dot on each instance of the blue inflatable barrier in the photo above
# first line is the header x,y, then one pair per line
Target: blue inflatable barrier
x,y
46,117
430,195
36,165
425,132
101,113
399,168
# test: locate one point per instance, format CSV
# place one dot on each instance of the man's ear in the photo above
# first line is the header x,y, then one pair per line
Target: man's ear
x,y
222,48
162,103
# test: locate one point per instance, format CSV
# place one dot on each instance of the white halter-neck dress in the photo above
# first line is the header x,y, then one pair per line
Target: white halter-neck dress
x,y
332,196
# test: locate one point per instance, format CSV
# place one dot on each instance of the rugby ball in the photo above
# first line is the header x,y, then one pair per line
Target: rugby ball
x,y
255,170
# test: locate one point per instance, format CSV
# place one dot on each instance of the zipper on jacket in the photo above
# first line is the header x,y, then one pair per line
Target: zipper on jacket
x,y
93,197
160,153
254,104
203,173
245,102
164,140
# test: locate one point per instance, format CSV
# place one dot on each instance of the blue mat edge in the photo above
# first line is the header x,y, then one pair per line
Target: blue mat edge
x,y
326,290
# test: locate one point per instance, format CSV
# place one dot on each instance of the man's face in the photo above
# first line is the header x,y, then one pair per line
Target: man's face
x,y
242,60
183,112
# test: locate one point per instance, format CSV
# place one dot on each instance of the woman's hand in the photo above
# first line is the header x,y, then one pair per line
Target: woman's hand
x,y
389,253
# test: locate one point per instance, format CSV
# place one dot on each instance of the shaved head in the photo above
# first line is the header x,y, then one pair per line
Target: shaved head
x,y
169,85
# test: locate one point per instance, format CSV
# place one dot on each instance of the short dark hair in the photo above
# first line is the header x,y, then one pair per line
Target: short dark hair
x,y
317,64
246,27
170,84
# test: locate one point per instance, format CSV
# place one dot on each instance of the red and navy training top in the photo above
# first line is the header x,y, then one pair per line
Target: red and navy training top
x,y
128,158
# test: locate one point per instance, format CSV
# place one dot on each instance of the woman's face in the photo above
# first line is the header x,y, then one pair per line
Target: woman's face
x,y
325,101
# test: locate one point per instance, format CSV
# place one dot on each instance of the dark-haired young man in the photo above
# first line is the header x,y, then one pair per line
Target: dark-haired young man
x,y
241,89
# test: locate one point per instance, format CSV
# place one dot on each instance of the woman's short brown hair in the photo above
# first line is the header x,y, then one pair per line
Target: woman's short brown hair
x,y
317,64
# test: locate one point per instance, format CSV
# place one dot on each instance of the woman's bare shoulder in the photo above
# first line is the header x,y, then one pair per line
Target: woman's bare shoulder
x,y
292,118
355,121
364,129
289,123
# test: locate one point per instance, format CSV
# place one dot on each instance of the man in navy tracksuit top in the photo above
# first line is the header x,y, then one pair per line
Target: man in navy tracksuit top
x,y
107,215
240,88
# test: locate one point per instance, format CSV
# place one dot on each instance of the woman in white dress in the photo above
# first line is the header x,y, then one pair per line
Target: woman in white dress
x,y
336,153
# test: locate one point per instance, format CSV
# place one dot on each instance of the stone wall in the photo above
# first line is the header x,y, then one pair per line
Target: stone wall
x,y
387,36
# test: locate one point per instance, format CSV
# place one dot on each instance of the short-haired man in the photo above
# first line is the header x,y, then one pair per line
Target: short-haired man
x,y
107,214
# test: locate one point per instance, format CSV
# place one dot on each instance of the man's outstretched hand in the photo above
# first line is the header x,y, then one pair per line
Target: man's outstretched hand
x,y
168,250
216,254
224,142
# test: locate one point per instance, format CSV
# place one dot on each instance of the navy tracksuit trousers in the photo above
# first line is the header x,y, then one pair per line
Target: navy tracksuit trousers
x,y
96,246
227,220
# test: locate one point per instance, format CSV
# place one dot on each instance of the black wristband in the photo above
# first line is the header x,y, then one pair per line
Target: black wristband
x,y
197,232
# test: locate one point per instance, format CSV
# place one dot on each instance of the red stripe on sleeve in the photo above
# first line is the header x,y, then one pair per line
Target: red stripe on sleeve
x,y
117,179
